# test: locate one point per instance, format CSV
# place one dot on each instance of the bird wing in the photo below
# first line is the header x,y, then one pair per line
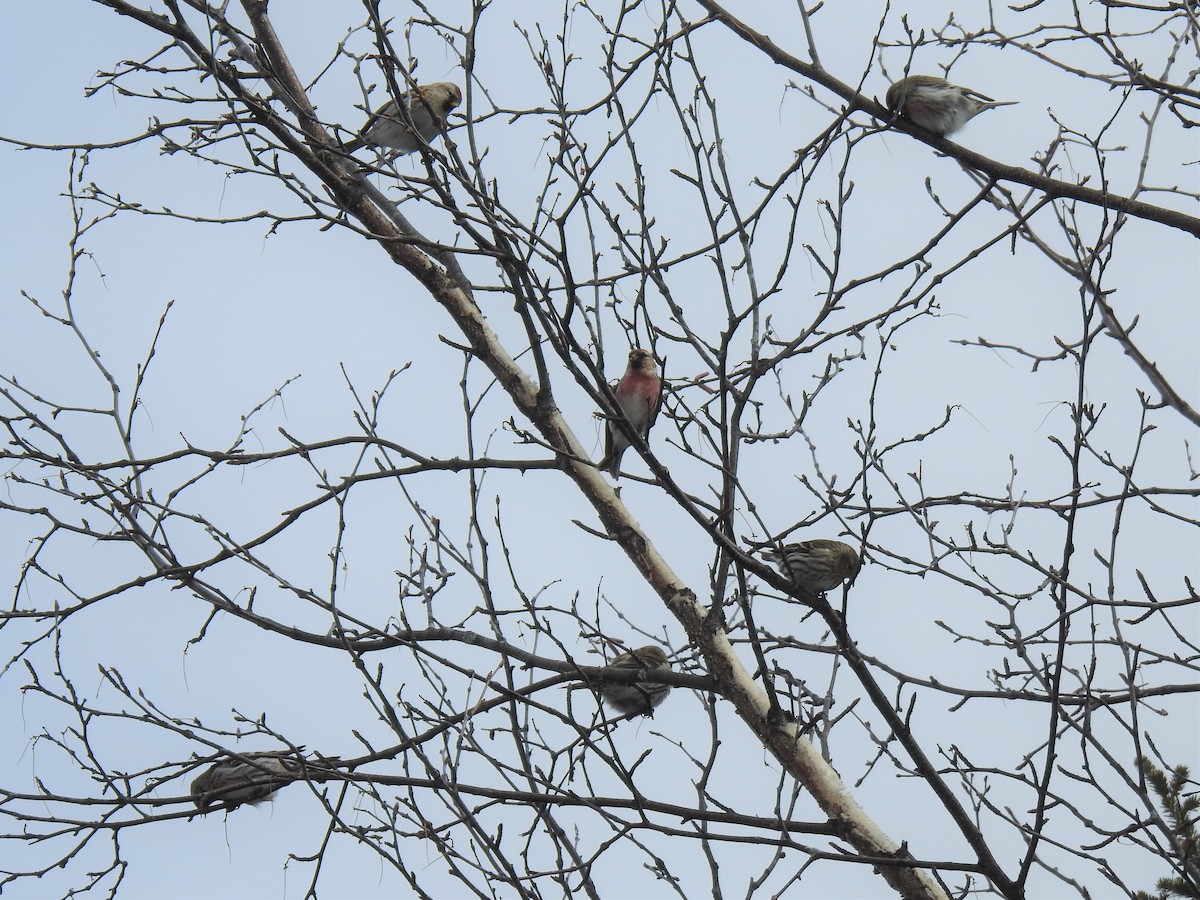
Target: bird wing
x,y
658,402
608,427
975,95
389,111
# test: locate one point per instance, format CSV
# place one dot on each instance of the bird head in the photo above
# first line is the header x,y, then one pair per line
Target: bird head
x,y
641,361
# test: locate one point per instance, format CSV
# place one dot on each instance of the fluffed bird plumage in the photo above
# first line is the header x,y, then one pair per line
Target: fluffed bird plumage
x,y
641,697
250,779
427,109
937,105
254,777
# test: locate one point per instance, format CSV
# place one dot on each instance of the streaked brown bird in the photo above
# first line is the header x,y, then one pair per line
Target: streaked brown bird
x,y
426,111
639,698
639,396
251,779
816,566
937,105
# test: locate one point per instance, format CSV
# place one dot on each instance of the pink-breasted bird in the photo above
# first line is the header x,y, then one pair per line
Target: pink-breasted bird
x,y
639,396
427,111
816,566
937,105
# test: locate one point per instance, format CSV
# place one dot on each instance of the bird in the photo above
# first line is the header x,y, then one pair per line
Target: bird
x,y
639,396
639,698
937,105
427,111
816,566
251,779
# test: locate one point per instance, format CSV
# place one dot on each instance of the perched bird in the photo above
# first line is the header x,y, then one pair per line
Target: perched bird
x,y
816,566
639,698
232,781
639,395
427,112
937,105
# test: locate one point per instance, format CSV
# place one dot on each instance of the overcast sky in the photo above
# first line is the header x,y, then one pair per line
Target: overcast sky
x,y
252,311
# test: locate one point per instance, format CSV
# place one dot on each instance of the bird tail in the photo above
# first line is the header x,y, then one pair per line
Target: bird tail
x,y
355,143
612,463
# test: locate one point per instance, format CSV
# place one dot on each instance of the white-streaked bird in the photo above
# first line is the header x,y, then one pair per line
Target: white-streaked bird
x,y
251,779
641,697
816,566
937,105
427,108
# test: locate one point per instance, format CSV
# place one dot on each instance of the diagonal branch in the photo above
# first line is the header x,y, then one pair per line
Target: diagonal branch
x,y
855,101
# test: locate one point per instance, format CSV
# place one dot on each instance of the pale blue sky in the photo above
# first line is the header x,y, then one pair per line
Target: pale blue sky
x,y
252,311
